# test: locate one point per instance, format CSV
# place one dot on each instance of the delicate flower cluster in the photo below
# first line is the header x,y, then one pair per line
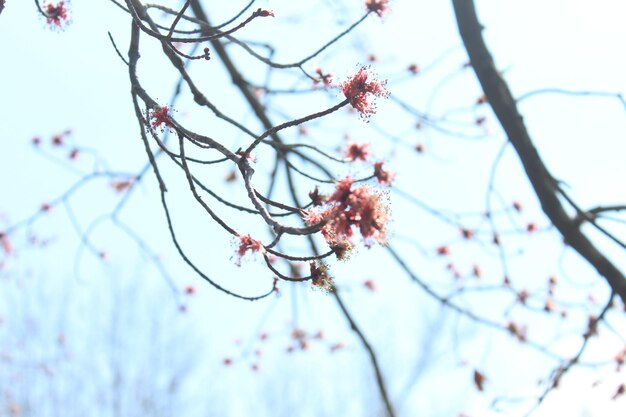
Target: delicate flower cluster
x,y
359,90
160,117
384,176
380,7
320,277
246,244
316,198
361,152
349,209
342,249
58,15
326,79
357,151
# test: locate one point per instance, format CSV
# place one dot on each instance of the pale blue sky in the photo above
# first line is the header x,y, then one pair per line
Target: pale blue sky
x,y
73,79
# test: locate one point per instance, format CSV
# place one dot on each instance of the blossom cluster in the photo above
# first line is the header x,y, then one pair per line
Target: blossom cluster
x,y
57,16
245,244
355,151
384,176
380,7
320,277
360,90
349,209
160,117
325,79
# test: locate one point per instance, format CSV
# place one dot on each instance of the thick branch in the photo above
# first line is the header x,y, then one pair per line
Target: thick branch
x,y
546,187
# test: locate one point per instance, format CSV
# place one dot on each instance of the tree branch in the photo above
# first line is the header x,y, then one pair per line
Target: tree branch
x,y
546,187
261,114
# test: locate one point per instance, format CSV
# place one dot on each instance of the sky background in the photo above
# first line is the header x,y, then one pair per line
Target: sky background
x,y
73,79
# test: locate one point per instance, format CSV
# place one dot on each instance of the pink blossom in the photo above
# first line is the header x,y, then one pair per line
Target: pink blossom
x,y
316,198
320,277
359,90
57,15
359,208
532,227
247,244
342,249
342,191
443,250
318,215
370,285
384,177
380,7
160,117
369,213
358,151
326,79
